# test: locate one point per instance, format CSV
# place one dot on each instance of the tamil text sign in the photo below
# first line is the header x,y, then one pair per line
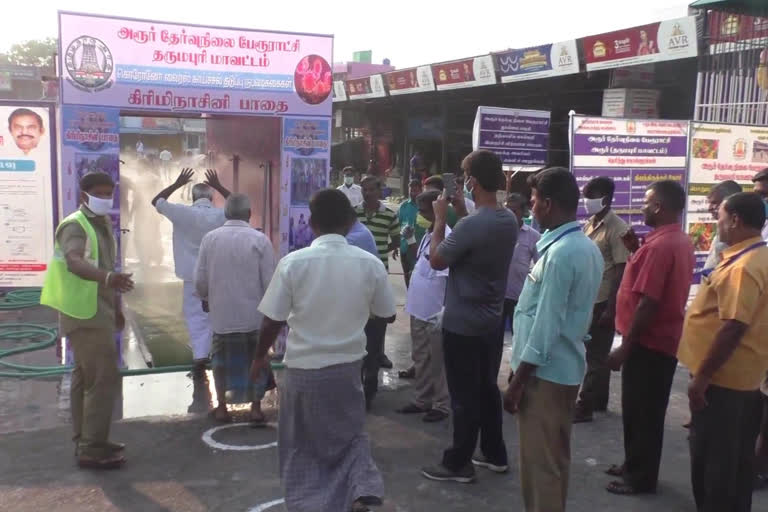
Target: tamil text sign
x,y
518,137
147,65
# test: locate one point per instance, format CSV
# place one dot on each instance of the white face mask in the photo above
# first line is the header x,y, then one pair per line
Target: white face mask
x,y
594,206
98,205
348,180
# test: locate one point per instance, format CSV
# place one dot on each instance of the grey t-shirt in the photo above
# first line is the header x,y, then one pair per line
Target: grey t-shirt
x,y
478,252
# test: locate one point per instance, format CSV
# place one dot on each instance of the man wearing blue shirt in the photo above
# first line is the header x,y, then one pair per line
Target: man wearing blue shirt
x,y
360,236
550,324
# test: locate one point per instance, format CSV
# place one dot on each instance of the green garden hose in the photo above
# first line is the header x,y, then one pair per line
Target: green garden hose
x,y
39,337
20,299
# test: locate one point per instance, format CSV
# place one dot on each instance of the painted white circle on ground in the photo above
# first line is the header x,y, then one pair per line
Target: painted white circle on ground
x,y
265,506
208,439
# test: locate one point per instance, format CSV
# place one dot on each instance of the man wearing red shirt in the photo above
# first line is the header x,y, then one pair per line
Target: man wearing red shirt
x,y
650,310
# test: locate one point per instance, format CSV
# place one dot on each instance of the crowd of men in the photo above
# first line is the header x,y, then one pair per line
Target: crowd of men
x,y
472,267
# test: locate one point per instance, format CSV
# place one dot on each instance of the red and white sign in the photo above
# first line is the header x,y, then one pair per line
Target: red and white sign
x,y
365,88
726,27
407,81
666,40
339,91
464,73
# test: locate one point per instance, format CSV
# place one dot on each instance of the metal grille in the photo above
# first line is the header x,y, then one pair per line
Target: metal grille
x,y
732,84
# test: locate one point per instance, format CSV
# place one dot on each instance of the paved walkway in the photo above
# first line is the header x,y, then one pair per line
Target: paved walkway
x,y
172,469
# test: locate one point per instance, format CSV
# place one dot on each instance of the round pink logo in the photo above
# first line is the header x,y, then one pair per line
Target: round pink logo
x,y
313,79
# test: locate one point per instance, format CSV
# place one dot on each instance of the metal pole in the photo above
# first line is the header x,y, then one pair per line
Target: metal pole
x,y
236,173
266,224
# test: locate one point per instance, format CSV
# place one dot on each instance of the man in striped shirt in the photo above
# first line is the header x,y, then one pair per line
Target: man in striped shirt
x,y
380,220
385,227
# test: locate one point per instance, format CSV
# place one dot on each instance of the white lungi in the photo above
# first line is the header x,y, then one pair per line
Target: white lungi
x,y
197,323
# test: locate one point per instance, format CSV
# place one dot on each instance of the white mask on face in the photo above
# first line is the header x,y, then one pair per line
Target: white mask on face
x,y
348,180
593,206
98,205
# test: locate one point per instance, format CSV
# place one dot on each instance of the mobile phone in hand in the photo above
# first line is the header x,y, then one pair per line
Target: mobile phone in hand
x,y
449,180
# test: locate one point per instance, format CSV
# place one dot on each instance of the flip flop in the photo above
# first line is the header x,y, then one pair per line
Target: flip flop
x,y
624,489
615,470
358,506
113,462
257,422
215,416
412,409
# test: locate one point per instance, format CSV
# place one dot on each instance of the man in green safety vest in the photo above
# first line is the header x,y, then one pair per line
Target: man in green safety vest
x,y
82,285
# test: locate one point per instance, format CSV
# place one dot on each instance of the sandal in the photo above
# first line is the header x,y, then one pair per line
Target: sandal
x,y
624,489
615,470
412,409
257,421
111,462
215,414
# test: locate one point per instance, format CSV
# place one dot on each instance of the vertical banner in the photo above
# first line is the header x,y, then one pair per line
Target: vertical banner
x,y
519,137
634,153
28,197
306,158
91,142
720,152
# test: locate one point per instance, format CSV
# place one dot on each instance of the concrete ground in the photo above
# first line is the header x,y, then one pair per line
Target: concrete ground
x,y
172,468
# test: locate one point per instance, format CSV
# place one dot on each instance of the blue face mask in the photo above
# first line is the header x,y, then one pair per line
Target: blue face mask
x,y
467,192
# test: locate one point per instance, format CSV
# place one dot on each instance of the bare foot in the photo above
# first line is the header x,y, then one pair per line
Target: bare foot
x,y
221,414
257,417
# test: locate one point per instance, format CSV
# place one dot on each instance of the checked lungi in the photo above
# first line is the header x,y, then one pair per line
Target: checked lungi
x,y
325,454
231,358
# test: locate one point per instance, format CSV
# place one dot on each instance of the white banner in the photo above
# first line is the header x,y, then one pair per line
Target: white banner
x,y
26,195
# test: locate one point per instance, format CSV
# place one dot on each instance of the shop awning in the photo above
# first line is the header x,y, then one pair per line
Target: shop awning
x,y
750,7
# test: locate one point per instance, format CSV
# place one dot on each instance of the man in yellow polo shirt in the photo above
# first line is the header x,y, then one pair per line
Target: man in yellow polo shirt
x,y
725,349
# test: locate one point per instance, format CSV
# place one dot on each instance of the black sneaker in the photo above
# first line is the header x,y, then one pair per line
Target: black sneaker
x,y
440,473
482,461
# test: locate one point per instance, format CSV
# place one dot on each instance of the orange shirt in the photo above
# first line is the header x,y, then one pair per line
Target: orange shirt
x,y
735,291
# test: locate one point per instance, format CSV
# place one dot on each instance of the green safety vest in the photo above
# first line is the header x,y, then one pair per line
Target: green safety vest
x,y
63,290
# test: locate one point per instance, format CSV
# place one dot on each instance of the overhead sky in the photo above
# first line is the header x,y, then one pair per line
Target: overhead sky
x,y
408,32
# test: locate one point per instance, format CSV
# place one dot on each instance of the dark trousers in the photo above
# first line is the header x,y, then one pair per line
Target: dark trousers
x,y
471,368
646,380
509,314
722,443
594,390
375,331
407,261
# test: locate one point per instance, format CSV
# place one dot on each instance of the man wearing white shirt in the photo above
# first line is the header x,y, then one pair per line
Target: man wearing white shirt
x,y
353,191
190,224
324,452
761,188
227,254
716,196
165,157
424,303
